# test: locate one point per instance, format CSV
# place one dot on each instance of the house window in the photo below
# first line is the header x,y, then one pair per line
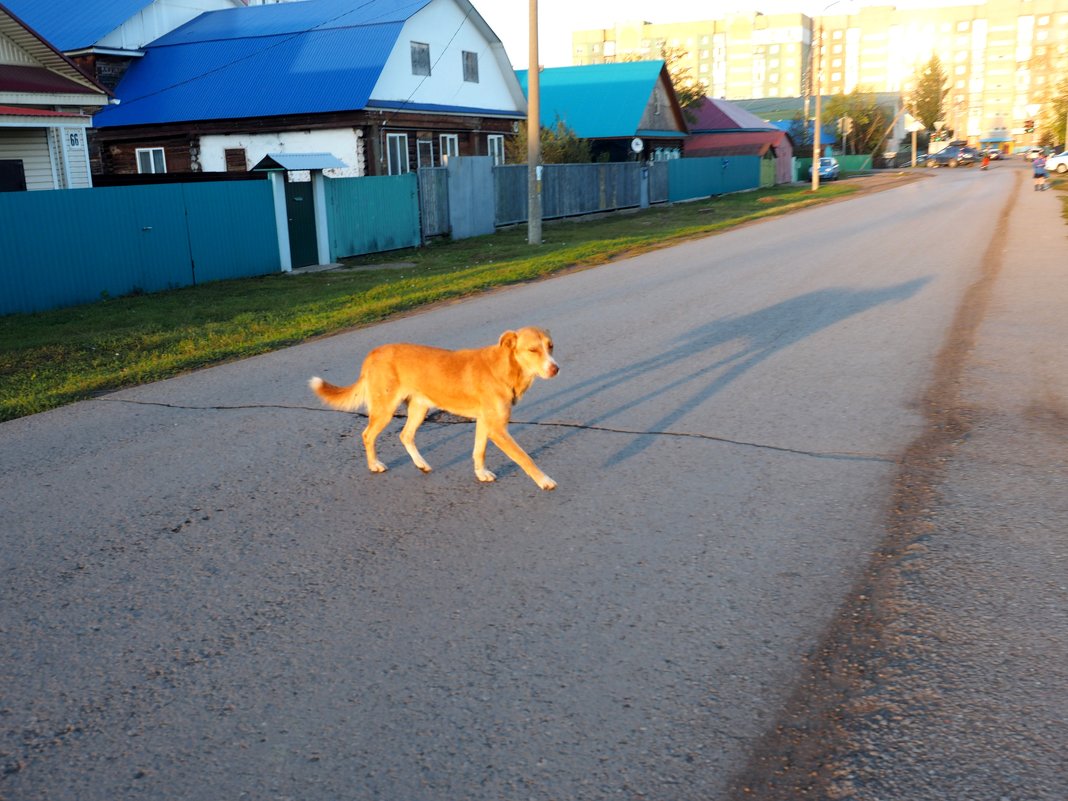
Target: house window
x,y
12,175
420,58
470,67
450,146
151,160
235,159
424,153
495,142
397,153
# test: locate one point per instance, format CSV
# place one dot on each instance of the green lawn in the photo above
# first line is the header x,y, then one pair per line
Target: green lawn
x,y
53,358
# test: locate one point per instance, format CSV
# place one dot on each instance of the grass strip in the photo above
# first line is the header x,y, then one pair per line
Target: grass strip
x,y
53,358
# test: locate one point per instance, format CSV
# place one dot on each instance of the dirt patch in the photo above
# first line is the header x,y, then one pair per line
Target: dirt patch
x,y
804,756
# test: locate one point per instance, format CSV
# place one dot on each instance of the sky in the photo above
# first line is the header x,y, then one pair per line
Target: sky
x,y
558,18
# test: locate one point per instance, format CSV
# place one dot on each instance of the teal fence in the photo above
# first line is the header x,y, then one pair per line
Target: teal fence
x,y
64,247
372,214
704,177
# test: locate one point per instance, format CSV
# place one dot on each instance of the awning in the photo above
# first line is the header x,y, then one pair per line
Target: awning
x,y
299,161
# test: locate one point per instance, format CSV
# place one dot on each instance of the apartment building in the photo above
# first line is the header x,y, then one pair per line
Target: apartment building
x,y
748,55
1003,59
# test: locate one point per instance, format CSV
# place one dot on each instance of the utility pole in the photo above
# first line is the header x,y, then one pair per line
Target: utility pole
x,y
817,58
533,134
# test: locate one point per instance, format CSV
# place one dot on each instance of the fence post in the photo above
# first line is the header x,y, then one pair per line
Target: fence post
x,y
322,225
281,218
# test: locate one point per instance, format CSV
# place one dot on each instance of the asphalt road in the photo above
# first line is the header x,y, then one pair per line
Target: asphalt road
x,y
206,595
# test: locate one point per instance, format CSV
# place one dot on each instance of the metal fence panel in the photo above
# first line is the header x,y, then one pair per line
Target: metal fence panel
x,y
510,194
572,189
231,230
372,214
65,247
434,200
567,190
704,177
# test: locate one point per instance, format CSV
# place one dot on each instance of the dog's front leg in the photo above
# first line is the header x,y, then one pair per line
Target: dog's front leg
x,y
479,454
503,440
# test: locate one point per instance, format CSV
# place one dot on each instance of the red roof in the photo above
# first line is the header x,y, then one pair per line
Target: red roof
x,y
19,78
22,111
737,143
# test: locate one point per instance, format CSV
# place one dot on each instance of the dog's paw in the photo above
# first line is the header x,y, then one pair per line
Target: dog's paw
x,y
546,483
377,467
485,475
424,467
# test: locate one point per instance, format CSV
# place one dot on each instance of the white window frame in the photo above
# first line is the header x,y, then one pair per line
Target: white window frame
x,y
397,153
420,65
495,146
469,61
449,145
420,146
156,160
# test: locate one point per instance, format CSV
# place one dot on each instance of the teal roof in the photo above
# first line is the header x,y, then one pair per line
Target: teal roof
x,y
599,101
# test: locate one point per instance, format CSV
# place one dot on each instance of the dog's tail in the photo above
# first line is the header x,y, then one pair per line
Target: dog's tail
x,y
348,399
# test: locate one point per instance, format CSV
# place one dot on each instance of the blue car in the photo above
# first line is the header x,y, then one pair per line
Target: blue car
x,y
828,169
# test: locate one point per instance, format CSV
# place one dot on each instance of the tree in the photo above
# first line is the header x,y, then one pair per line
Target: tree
x,y
862,122
1055,115
559,145
688,90
929,93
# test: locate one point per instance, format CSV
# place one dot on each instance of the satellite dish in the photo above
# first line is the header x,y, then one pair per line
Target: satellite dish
x,y
637,144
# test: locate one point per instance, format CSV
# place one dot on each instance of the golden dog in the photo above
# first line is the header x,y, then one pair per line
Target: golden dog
x,y
482,384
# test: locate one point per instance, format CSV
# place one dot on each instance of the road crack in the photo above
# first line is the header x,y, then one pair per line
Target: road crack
x,y
444,418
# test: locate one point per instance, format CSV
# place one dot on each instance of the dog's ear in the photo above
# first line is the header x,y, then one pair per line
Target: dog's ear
x,y
508,339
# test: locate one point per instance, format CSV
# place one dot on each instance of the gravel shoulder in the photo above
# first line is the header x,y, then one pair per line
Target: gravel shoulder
x,y
944,676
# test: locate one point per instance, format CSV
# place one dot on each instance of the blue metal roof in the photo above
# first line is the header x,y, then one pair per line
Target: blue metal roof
x,y
290,58
597,101
74,24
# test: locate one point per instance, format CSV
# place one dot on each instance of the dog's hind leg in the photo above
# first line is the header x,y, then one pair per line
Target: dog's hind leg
x,y
416,414
380,410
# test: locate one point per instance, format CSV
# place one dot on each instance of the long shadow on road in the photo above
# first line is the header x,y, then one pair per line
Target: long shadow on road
x,y
749,339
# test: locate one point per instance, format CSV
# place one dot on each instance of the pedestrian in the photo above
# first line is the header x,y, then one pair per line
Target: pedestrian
x,y
1039,166
986,161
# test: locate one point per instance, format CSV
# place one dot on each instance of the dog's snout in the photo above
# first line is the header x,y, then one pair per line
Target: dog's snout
x,y
554,368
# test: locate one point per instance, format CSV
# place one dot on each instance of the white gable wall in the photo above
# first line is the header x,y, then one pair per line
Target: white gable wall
x,y
157,19
435,25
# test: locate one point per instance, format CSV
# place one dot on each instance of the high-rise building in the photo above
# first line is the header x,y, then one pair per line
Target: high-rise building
x,y
1003,59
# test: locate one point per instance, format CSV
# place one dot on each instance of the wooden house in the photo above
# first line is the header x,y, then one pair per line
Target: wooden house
x,y
626,110
385,86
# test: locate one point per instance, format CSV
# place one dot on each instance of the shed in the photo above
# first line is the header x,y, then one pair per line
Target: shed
x,y
723,128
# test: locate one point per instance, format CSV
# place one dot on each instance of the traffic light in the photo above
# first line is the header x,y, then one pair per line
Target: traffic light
x,y
1029,126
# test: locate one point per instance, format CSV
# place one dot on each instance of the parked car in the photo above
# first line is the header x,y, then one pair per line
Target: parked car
x,y
1033,152
993,153
953,156
828,169
1058,163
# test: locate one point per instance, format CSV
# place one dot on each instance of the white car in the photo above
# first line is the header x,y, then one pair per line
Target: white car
x,y
1058,163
